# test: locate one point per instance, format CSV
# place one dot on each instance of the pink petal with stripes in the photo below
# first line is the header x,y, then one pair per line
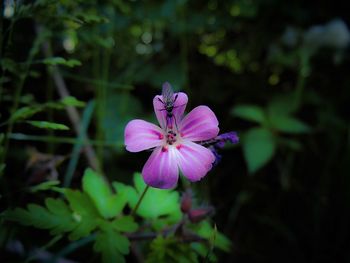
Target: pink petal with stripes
x,y
200,124
161,170
194,160
141,135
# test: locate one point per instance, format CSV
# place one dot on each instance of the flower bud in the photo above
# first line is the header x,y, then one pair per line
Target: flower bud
x,y
197,215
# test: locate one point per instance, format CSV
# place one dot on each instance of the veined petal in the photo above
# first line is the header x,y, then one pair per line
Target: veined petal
x,y
194,160
141,135
200,124
161,170
178,110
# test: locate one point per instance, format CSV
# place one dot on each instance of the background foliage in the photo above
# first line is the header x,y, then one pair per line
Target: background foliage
x,y
74,72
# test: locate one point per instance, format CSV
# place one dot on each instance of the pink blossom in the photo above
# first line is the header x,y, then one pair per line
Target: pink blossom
x,y
176,143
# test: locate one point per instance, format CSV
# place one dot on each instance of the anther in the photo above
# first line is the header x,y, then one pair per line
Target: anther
x,y
164,149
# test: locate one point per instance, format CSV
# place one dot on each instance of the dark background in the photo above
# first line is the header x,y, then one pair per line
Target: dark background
x,y
291,207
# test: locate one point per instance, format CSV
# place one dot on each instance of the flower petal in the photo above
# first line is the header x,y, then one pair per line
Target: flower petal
x,y
179,108
141,135
161,170
200,124
194,160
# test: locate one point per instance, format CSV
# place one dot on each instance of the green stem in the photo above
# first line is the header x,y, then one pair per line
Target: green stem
x,y
78,146
133,213
303,73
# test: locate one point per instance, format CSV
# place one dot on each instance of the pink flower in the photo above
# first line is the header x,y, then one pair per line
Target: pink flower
x,y
175,143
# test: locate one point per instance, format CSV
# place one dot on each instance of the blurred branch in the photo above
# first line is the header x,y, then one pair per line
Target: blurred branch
x,y
72,111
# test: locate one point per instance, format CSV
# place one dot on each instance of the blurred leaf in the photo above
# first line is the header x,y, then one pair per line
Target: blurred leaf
x,y
8,64
288,124
249,112
44,186
48,125
170,250
91,18
25,112
28,111
202,250
108,204
205,230
57,216
85,213
258,147
125,224
61,61
72,101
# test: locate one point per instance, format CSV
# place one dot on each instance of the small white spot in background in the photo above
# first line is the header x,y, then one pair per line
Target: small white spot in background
x,y
9,8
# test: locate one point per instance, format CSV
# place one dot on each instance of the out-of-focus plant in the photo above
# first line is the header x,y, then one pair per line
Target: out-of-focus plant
x,y
275,120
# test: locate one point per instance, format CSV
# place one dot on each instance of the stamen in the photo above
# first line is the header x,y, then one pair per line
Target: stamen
x,y
178,146
164,149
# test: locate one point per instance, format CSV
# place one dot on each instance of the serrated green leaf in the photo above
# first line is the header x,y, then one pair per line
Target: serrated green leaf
x,y
44,186
125,224
85,213
258,147
108,204
111,245
168,206
249,112
125,193
288,124
48,125
57,216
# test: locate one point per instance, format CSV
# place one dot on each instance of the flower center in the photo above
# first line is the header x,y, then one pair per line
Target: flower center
x,y
171,137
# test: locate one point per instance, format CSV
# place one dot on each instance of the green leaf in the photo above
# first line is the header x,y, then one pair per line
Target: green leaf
x,y
203,251
112,245
85,213
108,204
48,125
205,230
125,224
25,112
169,205
72,101
288,124
54,61
44,186
170,250
57,216
258,147
61,61
249,112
